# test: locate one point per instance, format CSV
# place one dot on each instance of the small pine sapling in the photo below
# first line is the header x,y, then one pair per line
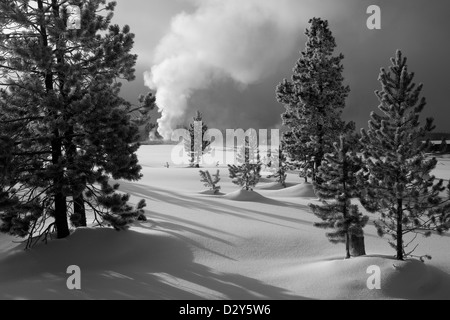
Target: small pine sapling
x,y
211,181
197,144
282,167
248,173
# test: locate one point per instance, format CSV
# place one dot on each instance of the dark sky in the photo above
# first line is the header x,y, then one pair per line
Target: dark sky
x,y
419,28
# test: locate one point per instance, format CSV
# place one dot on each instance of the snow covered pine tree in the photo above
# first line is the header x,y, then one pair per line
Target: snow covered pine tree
x,y
210,181
247,173
196,148
64,129
282,167
340,183
398,180
314,100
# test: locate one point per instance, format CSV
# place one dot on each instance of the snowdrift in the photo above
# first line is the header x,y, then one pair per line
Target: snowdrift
x,y
248,196
303,190
210,193
273,186
347,279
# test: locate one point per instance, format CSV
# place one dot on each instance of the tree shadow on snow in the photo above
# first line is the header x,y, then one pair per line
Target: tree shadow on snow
x,y
214,205
123,265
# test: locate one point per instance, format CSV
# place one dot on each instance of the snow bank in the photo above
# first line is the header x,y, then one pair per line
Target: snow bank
x,y
244,195
210,193
303,190
273,186
348,279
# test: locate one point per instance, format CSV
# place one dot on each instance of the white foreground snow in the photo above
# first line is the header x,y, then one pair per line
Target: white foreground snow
x,y
240,245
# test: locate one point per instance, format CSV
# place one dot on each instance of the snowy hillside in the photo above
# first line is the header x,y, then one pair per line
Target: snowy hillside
x,y
236,246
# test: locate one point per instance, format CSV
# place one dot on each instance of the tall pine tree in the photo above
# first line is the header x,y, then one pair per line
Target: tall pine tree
x,y
340,184
399,183
314,99
65,129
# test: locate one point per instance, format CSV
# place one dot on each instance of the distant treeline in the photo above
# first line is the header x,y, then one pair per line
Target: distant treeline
x,y
433,136
439,136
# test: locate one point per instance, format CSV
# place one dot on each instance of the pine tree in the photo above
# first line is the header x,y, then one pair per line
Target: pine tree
x,y
65,128
300,149
340,184
247,172
399,184
142,116
314,100
444,146
282,167
197,145
210,181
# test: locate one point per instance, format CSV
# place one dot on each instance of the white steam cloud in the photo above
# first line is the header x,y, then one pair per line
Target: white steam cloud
x,y
242,40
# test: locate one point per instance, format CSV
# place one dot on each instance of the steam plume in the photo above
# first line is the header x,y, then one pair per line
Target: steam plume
x,y
242,40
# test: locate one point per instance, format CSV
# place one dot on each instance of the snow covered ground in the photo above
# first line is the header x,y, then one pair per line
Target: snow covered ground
x,y
237,246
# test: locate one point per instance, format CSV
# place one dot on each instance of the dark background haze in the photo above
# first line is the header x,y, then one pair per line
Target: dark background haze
x,y
419,28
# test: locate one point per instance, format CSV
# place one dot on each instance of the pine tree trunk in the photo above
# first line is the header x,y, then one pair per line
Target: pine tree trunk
x,y
348,238
80,211
192,160
306,171
314,172
400,230
317,164
62,226
320,153
357,246
347,246
60,214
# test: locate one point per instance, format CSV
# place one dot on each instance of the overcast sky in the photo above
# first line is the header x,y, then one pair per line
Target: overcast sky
x,y
225,57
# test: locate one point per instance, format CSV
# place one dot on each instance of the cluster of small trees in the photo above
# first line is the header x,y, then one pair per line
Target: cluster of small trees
x,y
246,173
386,167
64,129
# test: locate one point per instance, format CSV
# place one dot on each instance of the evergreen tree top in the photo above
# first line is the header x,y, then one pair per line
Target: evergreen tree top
x,y
400,103
320,38
198,116
314,99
